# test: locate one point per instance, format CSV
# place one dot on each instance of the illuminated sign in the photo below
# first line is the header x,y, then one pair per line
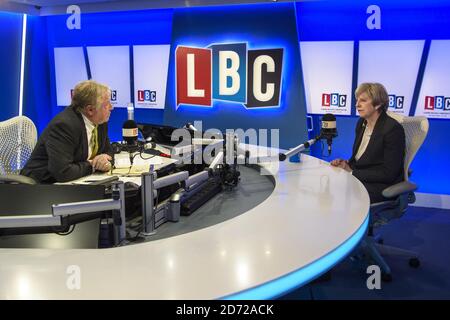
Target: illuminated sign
x,y
228,72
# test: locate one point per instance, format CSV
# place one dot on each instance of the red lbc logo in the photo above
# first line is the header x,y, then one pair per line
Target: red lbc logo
x,y
228,72
193,76
334,100
146,95
437,102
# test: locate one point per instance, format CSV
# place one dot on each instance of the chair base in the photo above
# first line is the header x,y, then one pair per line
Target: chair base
x,y
375,252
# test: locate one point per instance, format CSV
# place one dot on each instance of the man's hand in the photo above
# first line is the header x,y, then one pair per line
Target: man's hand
x,y
341,164
102,162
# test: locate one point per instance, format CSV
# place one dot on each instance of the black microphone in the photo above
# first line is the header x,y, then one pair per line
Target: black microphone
x,y
130,132
328,130
130,135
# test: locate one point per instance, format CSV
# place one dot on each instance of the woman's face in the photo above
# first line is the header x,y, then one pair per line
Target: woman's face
x,y
364,106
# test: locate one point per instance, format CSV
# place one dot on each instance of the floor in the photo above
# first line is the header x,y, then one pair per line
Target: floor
x,y
424,230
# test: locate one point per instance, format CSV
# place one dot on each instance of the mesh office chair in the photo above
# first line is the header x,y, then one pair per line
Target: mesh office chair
x,y
416,129
18,137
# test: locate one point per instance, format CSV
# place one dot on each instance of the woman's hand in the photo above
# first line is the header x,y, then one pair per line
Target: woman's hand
x,y
340,163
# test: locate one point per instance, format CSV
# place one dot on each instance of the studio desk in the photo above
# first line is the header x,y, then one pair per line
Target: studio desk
x,y
313,219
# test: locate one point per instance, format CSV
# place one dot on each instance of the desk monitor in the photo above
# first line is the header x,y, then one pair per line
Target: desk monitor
x,y
160,134
18,200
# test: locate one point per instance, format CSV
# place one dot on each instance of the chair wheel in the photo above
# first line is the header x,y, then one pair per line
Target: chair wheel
x,y
386,277
411,197
414,262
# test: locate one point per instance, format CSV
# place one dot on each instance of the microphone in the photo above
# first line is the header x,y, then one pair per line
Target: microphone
x,y
190,126
149,145
130,134
328,130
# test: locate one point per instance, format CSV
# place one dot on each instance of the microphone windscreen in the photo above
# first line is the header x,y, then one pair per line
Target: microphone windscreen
x,y
329,121
130,131
329,117
129,124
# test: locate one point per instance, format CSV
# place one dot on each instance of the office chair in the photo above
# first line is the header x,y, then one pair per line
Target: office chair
x,y
18,137
399,195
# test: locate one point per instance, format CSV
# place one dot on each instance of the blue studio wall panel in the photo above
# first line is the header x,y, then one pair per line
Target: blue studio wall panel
x,y
338,20
10,51
347,20
36,96
111,29
262,29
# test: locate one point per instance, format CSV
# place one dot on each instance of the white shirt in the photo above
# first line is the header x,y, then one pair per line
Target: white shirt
x,y
89,127
364,142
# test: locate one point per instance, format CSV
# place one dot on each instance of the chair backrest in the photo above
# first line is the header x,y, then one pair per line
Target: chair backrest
x,y
416,130
18,137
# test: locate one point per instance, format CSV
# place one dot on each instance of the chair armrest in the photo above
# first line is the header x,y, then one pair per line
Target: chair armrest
x,y
399,189
16,178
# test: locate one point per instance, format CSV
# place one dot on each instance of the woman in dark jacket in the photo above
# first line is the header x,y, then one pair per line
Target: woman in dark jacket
x,y
379,148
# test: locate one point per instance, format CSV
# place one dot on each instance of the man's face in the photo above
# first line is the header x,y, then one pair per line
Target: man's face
x,y
101,115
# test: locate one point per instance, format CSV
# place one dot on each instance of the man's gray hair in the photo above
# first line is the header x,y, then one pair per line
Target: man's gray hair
x,y
88,92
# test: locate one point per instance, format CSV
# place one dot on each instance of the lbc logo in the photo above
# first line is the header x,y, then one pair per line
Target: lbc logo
x,y
437,102
334,100
228,72
146,96
396,102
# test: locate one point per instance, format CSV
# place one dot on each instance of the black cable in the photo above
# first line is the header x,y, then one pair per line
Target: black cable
x,y
141,225
151,156
68,232
132,160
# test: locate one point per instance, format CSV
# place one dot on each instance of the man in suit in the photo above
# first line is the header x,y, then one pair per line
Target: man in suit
x,y
379,148
75,142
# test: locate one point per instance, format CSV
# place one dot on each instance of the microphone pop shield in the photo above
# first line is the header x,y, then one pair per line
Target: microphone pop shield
x,y
328,129
130,132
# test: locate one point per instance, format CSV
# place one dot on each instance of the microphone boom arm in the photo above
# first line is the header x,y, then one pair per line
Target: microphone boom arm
x,y
298,149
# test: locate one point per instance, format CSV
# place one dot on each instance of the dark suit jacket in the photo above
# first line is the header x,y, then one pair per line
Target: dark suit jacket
x,y
382,164
62,149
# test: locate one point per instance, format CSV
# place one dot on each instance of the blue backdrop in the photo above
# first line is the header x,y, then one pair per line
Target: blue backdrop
x,y
97,29
345,20
10,40
261,27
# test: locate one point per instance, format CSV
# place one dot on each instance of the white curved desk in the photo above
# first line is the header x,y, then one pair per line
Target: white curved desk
x,y
314,218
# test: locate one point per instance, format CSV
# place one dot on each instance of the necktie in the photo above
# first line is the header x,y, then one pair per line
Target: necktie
x,y
94,143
